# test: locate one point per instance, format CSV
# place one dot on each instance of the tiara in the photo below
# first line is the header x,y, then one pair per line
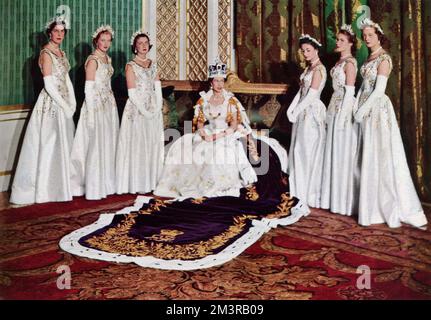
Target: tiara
x,y
370,23
307,36
347,28
103,28
217,69
137,33
57,20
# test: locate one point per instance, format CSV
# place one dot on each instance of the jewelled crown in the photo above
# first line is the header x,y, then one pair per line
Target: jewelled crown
x,y
103,28
57,20
370,23
137,33
347,28
307,36
217,69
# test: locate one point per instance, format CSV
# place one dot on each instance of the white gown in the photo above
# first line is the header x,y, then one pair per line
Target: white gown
x,y
387,193
43,171
140,150
196,168
95,143
307,144
338,189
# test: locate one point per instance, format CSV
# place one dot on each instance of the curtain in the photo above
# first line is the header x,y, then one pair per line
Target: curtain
x,y
267,33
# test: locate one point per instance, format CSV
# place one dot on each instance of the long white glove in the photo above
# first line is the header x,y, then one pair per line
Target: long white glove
x,y
159,96
378,92
292,106
346,106
71,92
138,101
52,90
306,101
90,101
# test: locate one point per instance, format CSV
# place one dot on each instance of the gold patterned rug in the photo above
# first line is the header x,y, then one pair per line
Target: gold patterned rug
x,y
316,258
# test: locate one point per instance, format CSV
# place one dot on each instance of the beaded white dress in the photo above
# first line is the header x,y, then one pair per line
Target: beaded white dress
x,y
338,188
387,193
140,152
95,143
43,170
308,142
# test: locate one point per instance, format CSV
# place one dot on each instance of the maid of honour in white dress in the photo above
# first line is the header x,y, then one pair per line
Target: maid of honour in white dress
x,y
43,171
210,162
94,146
308,114
387,193
338,193
140,150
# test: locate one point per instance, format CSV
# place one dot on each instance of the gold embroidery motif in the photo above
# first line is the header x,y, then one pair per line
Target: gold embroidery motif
x,y
200,118
165,235
117,240
153,207
252,193
198,200
284,208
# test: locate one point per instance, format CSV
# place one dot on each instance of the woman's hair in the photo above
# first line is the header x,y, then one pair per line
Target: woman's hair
x,y
136,40
98,37
53,25
352,39
310,42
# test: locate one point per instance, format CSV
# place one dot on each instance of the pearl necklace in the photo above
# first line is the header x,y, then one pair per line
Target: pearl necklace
x,y
343,59
102,56
141,59
377,51
55,49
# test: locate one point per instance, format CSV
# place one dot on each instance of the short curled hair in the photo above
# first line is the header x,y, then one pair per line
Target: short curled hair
x,y
98,37
141,35
380,36
53,25
311,43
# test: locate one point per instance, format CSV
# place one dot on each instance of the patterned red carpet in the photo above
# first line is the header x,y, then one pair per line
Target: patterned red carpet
x,y
316,258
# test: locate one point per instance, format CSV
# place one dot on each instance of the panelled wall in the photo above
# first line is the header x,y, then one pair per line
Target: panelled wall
x,y
190,34
21,34
186,34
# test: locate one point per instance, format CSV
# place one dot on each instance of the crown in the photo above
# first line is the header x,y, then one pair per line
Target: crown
x,y
370,23
347,28
307,36
57,20
217,69
137,33
103,28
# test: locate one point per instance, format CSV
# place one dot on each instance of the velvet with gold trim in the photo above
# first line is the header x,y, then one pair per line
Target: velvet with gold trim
x,y
195,228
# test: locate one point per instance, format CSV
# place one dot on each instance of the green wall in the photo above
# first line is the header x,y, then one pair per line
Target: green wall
x,y
21,35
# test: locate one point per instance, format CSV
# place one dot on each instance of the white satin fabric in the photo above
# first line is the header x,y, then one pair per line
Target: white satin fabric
x,y
43,170
338,190
308,143
95,143
387,193
140,150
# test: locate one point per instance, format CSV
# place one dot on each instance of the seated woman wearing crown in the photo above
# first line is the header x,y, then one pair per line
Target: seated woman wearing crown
x,y
211,161
224,202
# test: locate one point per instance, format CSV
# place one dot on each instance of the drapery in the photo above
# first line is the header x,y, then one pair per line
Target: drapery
x,y
267,34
